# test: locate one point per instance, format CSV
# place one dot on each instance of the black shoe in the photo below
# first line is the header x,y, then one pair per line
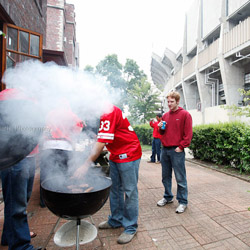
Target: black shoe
x,y
39,248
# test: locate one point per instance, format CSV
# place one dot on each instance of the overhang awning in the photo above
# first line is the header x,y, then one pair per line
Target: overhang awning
x,y
54,56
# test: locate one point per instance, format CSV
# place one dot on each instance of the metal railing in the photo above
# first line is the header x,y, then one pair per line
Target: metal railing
x,y
209,54
189,67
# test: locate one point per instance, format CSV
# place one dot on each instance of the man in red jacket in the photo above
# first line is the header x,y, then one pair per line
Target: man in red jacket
x,y
175,137
156,143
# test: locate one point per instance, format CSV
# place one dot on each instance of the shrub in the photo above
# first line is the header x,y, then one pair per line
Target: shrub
x,y
223,143
144,133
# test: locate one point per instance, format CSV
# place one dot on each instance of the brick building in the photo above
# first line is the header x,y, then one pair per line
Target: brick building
x,y
61,43
37,29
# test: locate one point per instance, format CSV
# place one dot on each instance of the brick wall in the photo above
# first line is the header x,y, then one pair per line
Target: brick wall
x,y
54,19
27,14
70,34
55,25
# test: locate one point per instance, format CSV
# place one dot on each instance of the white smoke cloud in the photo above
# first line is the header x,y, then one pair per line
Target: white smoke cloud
x,y
49,83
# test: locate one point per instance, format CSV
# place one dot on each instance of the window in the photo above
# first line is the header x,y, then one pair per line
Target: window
x,y
20,45
247,78
247,82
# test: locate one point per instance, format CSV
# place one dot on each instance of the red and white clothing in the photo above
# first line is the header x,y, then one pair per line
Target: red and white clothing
x,y
120,138
62,126
154,125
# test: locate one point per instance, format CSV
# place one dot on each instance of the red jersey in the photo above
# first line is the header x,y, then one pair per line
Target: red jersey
x,y
154,125
120,138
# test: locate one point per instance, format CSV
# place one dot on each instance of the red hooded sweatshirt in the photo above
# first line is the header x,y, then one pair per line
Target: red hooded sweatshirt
x,y
178,130
154,125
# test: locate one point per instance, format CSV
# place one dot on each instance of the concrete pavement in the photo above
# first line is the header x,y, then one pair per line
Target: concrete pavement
x,y
217,216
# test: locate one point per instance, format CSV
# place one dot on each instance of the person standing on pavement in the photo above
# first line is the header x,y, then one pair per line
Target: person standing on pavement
x,y
156,142
57,146
118,136
17,184
175,137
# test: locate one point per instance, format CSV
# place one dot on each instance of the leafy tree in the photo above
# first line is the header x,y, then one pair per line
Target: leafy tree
x,y
89,68
112,69
132,73
136,92
242,111
142,102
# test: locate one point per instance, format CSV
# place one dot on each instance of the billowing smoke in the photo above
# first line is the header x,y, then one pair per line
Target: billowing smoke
x,y
49,83
51,86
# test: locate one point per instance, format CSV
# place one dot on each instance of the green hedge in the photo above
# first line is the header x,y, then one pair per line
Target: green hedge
x,y
224,143
144,133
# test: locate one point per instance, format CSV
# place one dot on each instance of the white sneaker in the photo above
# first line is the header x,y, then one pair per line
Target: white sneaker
x,y
104,225
181,208
163,202
125,238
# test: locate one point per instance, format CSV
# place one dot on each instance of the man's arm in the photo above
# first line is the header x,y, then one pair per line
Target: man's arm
x,y
151,123
161,131
96,151
187,133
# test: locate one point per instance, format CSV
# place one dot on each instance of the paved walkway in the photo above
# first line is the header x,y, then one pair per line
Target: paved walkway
x,y
217,216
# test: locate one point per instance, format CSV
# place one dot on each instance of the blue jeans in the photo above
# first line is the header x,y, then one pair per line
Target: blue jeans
x,y
172,160
17,183
156,149
124,204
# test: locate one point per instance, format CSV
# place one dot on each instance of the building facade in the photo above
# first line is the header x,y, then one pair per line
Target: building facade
x,y
213,63
37,29
61,45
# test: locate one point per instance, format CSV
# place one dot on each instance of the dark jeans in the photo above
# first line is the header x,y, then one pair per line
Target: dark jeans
x,y
17,183
171,160
156,149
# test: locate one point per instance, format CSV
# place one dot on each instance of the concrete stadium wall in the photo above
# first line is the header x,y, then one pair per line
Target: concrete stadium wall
x,y
192,25
233,5
211,15
214,114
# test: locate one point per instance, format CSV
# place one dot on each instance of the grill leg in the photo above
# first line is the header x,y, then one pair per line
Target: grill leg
x,y
100,239
77,233
51,233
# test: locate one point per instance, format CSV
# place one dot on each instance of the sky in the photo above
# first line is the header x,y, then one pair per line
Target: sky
x,y
131,29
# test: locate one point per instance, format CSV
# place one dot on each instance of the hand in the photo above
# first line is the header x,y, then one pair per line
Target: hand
x,y
81,171
160,124
178,150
